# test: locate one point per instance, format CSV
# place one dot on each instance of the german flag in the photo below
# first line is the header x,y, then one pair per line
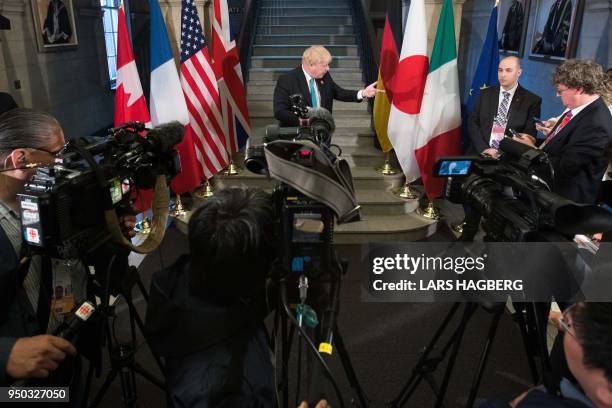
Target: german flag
x,y
389,58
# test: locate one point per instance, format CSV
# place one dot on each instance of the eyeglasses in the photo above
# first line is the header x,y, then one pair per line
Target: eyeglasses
x,y
565,325
562,91
52,153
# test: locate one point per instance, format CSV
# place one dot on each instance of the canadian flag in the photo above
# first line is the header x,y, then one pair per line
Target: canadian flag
x,y
130,103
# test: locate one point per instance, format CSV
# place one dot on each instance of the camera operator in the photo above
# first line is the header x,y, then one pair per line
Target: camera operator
x,y
576,143
205,312
313,81
27,315
587,343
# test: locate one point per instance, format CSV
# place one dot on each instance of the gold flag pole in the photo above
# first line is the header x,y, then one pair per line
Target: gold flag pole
x,y
387,169
405,192
430,211
204,191
179,210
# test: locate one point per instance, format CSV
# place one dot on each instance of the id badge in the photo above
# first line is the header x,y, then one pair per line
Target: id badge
x,y
497,135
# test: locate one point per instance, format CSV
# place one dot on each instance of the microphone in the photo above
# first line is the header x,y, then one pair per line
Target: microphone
x,y
322,115
73,322
166,136
523,154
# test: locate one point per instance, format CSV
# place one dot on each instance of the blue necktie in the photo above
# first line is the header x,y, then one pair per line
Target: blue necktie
x,y
313,93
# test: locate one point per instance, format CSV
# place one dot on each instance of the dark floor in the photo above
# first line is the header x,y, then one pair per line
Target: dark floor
x,y
383,340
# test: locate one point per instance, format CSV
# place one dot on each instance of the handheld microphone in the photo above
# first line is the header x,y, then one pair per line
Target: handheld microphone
x,y
73,322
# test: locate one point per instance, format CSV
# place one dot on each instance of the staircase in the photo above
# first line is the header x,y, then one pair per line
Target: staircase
x,y
284,29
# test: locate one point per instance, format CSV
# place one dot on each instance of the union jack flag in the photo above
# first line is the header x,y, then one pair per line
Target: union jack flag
x,y
226,65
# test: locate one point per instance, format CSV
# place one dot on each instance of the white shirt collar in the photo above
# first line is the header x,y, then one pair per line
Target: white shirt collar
x,y
510,91
579,109
308,77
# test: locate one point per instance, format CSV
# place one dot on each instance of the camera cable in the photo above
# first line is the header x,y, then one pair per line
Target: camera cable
x,y
310,343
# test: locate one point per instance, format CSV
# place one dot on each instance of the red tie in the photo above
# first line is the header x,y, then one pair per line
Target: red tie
x,y
566,118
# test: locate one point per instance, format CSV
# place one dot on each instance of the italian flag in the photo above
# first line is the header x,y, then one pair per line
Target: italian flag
x,y
408,89
439,130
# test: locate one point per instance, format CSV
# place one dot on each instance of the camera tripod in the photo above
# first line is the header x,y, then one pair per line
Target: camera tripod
x,y
122,355
428,363
284,314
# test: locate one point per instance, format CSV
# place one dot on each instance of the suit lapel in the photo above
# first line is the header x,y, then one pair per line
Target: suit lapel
x,y
572,123
516,101
493,101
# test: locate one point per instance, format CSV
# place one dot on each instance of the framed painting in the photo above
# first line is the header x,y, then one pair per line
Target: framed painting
x,y
54,24
512,24
556,29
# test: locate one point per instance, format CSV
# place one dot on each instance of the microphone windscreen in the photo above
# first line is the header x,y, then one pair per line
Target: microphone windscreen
x,y
513,148
322,114
167,135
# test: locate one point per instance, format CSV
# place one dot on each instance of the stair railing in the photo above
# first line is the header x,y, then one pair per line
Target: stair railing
x,y
246,37
366,40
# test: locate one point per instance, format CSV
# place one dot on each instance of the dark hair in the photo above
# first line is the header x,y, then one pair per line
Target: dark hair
x,y
593,324
230,239
585,74
23,127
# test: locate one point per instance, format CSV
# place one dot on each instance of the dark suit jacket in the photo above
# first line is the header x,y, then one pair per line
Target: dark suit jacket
x,y
524,106
577,153
6,102
294,82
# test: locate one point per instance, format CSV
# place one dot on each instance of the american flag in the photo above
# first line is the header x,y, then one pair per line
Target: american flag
x,y
237,124
205,129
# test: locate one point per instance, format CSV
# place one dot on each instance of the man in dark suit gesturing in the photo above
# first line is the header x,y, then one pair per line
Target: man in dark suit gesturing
x,y
576,143
313,81
508,106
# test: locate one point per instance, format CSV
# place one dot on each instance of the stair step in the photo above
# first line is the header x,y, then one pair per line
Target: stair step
x,y
303,11
256,74
297,3
306,20
385,228
296,30
298,50
344,124
264,107
268,89
285,61
326,40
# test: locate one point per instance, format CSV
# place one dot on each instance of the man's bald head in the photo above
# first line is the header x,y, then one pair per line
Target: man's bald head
x,y
508,72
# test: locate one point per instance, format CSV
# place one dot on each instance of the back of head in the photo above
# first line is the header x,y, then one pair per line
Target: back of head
x,y
21,127
593,324
230,238
585,74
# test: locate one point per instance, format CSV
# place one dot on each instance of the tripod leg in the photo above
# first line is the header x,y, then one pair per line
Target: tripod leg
x,y
349,370
530,360
285,361
109,379
152,379
536,309
484,356
417,372
467,313
88,383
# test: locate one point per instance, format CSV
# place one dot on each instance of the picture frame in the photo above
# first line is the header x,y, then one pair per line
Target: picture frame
x,y
512,22
556,29
54,25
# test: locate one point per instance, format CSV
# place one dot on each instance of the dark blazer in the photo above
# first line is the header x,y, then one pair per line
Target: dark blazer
x,y
577,153
524,106
294,82
6,102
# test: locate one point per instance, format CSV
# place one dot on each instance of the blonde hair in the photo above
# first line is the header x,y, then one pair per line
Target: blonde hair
x,y
316,54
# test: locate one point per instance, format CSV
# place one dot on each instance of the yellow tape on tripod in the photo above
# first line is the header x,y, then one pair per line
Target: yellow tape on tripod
x,y
326,348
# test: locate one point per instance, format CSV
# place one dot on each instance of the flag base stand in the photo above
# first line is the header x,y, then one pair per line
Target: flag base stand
x,y
205,191
458,228
143,227
405,192
179,210
232,169
430,212
387,169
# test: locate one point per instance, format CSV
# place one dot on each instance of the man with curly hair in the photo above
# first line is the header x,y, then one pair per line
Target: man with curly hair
x,y
576,143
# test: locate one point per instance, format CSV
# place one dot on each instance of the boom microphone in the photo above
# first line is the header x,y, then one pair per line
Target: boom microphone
x,y
166,136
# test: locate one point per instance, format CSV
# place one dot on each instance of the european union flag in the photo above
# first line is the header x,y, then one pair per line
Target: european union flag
x,y
486,70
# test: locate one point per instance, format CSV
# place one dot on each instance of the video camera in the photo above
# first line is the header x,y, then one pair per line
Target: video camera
x,y
64,206
315,185
514,194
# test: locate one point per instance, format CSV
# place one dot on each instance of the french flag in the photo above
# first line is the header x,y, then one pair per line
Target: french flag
x,y
167,102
